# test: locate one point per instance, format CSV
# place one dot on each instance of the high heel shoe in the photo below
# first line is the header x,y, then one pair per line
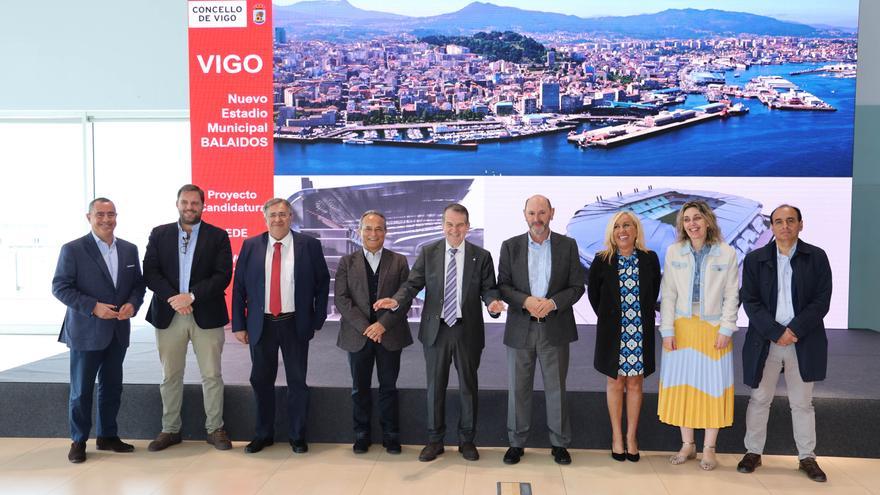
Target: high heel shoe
x,y
618,457
680,458
708,465
632,457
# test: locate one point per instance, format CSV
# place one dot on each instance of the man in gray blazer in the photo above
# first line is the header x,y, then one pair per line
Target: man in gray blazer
x,y
456,275
540,277
372,336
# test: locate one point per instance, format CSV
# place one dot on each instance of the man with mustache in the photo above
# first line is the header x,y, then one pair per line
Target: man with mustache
x,y
540,277
188,265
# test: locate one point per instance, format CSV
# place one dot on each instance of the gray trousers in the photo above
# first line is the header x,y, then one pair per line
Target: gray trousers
x,y
800,398
521,379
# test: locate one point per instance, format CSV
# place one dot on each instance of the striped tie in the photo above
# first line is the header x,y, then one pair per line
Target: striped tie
x,y
450,299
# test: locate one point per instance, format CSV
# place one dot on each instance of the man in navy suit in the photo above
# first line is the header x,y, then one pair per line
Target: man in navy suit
x,y
188,265
786,292
99,279
279,300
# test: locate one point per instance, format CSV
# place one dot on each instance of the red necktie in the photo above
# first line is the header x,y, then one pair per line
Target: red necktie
x,y
275,282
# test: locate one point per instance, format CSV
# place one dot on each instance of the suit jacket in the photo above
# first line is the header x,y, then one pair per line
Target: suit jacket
x,y
351,295
603,290
82,279
210,275
478,282
566,287
311,289
811,297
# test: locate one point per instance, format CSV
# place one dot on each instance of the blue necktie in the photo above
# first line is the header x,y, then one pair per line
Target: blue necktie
x,y
450,299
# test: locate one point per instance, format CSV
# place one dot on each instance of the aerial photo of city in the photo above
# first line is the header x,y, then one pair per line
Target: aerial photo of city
x,y
487,89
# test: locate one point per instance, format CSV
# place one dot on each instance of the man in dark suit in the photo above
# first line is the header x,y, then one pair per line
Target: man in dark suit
x,y
786,292
540,277
188,265
456,275
372,336
98,278
279,300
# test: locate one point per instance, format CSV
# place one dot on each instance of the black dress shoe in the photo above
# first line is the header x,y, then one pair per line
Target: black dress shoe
x,y
560,455
392,446
77,452
114,444
469,451
299,446
811,467
513,454
361,446
431,451
749,463
257,445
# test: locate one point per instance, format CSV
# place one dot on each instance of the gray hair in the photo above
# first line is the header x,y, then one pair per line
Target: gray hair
x,y
274,201
372,212
99,200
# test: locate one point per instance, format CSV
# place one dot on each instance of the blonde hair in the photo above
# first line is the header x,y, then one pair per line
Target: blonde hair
x,y
713,233
611,246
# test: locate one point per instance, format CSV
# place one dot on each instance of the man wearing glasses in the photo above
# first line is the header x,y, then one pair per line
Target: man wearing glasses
x,y
279,300
188,265
99,279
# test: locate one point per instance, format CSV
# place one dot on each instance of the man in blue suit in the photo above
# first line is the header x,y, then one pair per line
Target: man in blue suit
x,y
279,299
99,279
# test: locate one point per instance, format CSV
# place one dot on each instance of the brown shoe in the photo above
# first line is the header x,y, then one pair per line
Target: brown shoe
x,y
219,439
163,441
431,451
811,467
749,463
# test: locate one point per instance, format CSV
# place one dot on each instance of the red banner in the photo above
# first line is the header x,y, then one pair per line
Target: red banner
x,y
230,85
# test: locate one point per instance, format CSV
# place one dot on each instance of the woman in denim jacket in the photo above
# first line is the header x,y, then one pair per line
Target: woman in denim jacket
x,y
699,303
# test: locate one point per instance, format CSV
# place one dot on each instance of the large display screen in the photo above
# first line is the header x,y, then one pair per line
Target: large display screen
x,y
599,106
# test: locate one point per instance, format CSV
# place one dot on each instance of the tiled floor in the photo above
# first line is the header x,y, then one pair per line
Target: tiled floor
x,y
31,466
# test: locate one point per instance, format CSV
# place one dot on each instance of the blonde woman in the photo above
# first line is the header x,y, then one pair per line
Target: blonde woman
x,y
698,317
623,285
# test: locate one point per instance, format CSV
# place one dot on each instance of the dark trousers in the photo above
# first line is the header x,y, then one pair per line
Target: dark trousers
x,y
449,348
85,366
264,356
387,369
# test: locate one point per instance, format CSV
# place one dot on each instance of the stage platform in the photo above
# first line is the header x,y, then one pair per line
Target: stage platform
x,y
847,403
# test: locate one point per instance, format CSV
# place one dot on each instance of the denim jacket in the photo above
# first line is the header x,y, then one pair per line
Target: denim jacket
x,y
719,286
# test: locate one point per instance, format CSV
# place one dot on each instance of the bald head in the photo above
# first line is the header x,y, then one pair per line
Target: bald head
x,y
538,214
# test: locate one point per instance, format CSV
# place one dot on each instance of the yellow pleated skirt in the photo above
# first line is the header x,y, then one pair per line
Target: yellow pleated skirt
x,y
696,379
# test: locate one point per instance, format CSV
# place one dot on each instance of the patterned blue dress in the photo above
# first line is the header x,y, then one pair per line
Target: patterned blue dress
x,y
631,362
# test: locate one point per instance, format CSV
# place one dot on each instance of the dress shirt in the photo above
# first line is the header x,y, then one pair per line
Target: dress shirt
x,y
186,259
287,288
459,272
373,259
784,305
111,257
699,256
540,264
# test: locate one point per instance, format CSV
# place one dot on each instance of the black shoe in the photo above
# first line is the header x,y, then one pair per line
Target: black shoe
x,y
618,457
749,463
77,452
469,451
560,455
811,467
513,454
633,457
431,451
361,446
299,446
392,446
257,445
114,444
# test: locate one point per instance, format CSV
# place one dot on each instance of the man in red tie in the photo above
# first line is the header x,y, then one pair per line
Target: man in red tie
x,y
279,299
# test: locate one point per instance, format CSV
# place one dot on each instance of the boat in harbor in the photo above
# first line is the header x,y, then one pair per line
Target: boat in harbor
x,y
357,141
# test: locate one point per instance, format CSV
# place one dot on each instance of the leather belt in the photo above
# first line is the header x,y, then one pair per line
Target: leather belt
x,y
280,317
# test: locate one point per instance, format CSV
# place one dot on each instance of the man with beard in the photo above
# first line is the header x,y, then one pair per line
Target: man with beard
x,y
540,278
188,265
